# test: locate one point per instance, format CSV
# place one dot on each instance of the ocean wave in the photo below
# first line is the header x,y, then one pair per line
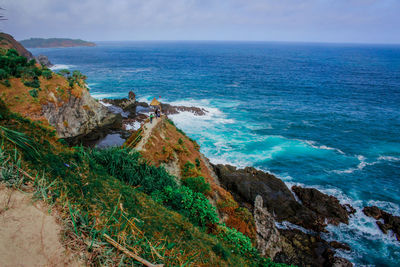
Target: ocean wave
x,y
315,145
363,163
136,70
61,66
389,158
100,95
132,126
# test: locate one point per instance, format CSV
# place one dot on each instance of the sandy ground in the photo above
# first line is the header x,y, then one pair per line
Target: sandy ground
x,y
29,236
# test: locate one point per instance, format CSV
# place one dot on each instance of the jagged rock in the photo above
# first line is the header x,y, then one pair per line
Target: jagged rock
x,y
246,184
341,262
323,205
268,239
132,96
168,109
79,116
44,60
390,222
338,245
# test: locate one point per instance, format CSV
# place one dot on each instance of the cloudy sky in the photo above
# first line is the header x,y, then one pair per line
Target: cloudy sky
x,y
365,21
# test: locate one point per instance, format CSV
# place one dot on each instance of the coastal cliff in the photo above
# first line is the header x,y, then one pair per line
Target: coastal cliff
x,y
61,101
157,199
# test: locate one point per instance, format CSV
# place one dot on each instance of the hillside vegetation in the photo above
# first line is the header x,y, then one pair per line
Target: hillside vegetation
x,y
115,202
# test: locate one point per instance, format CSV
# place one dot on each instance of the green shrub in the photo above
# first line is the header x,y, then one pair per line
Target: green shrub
x,y
197,184
3,74
35,83
6,83
33,93
64,72
221,251
197,161
193,205
188,169
130,168
241,243
47,74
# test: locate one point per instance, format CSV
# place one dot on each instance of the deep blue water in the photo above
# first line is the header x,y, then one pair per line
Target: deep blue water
x,y
320,115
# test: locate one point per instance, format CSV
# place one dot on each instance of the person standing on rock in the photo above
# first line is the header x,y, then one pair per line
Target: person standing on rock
x,y
151,118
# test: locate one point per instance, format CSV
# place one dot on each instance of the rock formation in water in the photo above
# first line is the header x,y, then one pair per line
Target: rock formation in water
x,y
390,222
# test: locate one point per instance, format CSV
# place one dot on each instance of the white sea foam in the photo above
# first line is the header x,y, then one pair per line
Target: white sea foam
x,y
132,126
363,163
61,66
101,95
389,158
289,225
115,109
315,145
137,70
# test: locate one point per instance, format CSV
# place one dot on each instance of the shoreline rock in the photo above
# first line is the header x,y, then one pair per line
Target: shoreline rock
x,y
390,222
328,207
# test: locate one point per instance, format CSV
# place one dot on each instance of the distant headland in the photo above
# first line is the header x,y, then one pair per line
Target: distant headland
x,y
54,42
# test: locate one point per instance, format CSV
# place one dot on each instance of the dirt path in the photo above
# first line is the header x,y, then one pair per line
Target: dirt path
x,y
29,236
147,129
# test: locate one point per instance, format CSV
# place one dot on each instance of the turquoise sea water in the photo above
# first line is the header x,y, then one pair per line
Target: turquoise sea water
x,y
318,115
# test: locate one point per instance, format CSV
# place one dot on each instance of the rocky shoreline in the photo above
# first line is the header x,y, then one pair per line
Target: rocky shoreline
x,y
307,211
131,115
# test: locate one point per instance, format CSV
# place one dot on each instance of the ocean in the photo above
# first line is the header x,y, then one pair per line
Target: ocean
x,y
317,115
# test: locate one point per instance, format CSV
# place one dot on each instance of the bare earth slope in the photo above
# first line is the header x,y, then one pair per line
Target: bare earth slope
x,y
29,236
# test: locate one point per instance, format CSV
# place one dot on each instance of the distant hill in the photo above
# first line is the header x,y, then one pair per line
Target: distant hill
x,y
54,42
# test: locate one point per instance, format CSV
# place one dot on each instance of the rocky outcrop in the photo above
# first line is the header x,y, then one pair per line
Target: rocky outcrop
x,y
247,183
269,242
303,249
79,116
390,222
274,201
325,206
44,60
168,109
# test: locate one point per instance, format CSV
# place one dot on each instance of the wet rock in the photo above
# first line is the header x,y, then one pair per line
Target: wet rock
x,y
268,238
304,249
246,184
168,109
44,60
338,245
390,222
325,206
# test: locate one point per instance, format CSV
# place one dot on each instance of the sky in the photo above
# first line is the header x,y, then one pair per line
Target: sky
x,y
338,21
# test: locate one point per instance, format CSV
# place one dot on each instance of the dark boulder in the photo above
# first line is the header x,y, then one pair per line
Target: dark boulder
x,y
303,249
44,60
390,222
324,205
246,184
168,109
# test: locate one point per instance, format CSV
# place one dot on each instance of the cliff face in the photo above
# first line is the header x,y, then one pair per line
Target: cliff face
x,y
62,102
78,115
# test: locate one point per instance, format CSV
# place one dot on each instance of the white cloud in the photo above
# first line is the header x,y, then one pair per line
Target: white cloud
x,y
307,20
